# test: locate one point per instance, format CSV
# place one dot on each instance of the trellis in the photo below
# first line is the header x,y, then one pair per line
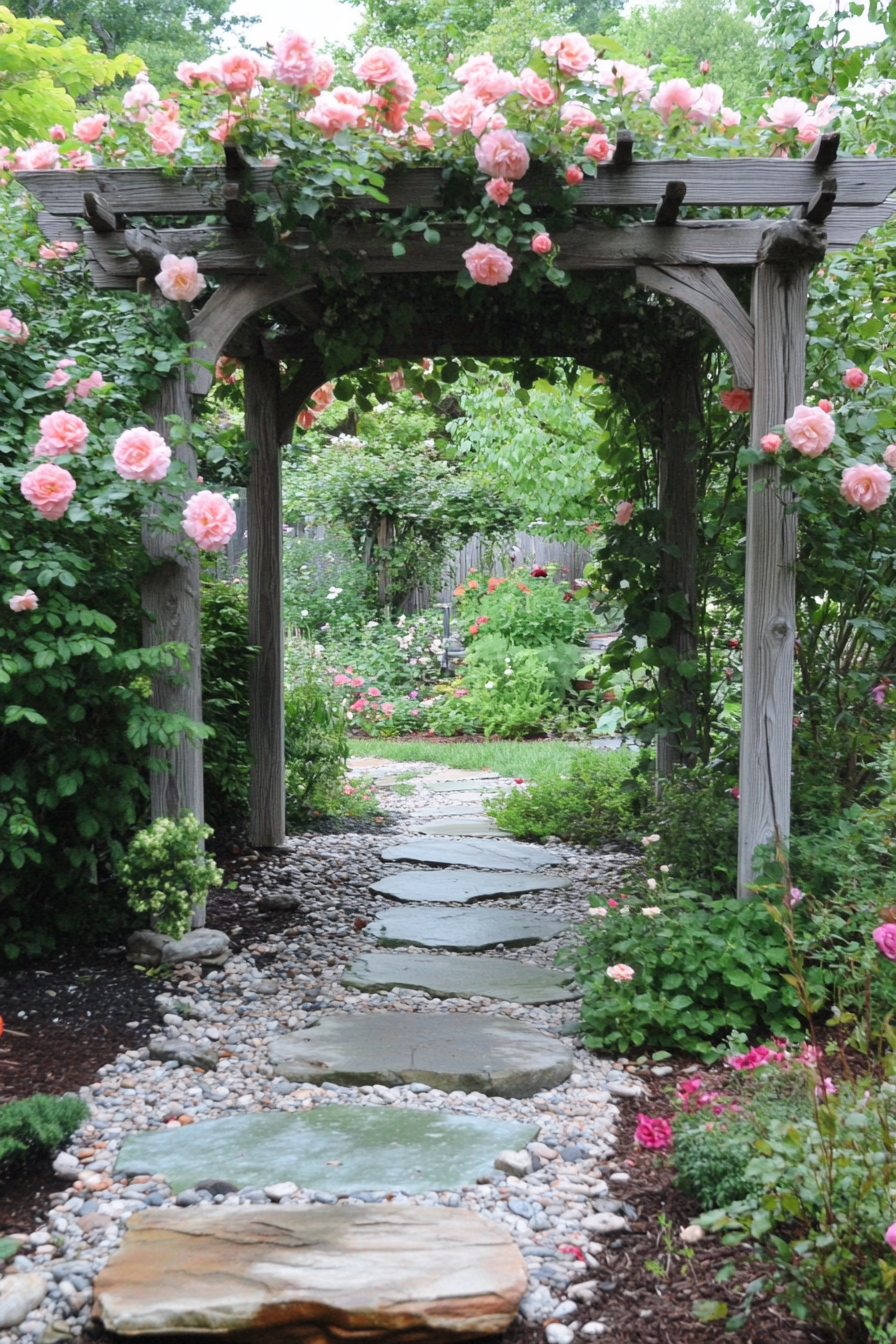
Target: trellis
x,y
831,202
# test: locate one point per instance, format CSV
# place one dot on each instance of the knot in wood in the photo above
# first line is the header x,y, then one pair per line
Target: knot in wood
x,y
780,628
793,244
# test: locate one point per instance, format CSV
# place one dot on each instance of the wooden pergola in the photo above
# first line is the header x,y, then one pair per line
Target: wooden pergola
x,y
822,202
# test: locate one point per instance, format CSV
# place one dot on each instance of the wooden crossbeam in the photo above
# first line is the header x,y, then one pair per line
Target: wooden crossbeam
x,y
668,208
822,202
147,249
239,214
98,213
732,182
823,151
624,149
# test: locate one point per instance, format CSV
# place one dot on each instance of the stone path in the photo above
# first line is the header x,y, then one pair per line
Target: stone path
x,y
274,1087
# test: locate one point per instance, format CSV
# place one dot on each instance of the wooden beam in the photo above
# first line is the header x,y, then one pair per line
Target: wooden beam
x,y
786,182
822,202
99,214
623,149
307,380
823,151
236,165
147,249
780,297
669,206
239,214
704,290
171,606
234,301
267,778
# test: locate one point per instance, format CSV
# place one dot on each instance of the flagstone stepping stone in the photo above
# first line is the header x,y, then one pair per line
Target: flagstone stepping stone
x,y
273,1272
458,826
458,887
463,930
496,1056
451,773
459,977
456,785
507,856
376,1148
371,763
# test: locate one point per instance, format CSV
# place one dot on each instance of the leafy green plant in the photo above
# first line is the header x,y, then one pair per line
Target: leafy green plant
x,y
226,659
316,743
588,803
38,1124
696,820
166,874
701,967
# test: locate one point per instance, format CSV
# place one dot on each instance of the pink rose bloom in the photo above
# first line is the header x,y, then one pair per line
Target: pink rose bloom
x,y
866,486
359,704
458,110
187,72
620,972
179,278
541,244
487,264
598,148
770,443
141,96
341,679
56,132
239,71
396,380
422,138
49,488
387,707
487,119
322,399
754,1058
854,378
89,129
141,454
624,79
501,154
809,430
499,190
79,159
209,520
890,454
573,175
324,70
708,105
84,386
674,93
885,938
653,1133
379,65
536,90
728,117
357,681
490,85
737,400
57,251
165,136
890,1236
58,378
807,132
26,601
330,114
785,113
575,115
573,52
61,433
305,419
223,126
294,60
374,690
826,1088
474,66
39,157
624,512
826,405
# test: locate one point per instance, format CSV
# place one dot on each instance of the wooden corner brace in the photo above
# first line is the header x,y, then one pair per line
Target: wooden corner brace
x,y
704,290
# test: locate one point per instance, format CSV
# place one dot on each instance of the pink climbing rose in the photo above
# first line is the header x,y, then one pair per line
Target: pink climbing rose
x,y
26,601
573,52
331,114
866,485
323,397
179,278
653,1132
810,430
39,158
61,433
84,386
573,175
620,971
854,378
141,454
770,443
890,1236
143,95
623,512
165,136
499,190
885,938
379,65
576,116
324,70
487,264
674,93
785,113
502,154
737,400
239,71
536,90
294,60
598,147
89,129
490,85
209,520
49,488
12,330
890,454
541,244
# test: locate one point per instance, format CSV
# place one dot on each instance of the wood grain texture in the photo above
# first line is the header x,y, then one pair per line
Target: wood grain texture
x,y
779,315
267,778
226,311
704,290
171,604
744,181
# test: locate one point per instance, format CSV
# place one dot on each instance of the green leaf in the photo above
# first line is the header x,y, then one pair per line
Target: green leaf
x,y
705,1309
398,249
658,625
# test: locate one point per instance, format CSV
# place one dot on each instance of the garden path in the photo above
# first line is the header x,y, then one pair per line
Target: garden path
x,y
396,1105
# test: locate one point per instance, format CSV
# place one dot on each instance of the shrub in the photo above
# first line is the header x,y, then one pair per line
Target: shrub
x,y
590,806
711,1161
323,582
166,874
38,1124
316,743
226,658
528,612
696,819
702,967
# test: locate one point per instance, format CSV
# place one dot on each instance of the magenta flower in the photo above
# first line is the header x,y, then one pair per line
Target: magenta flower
x,y
885,937
890,1236
653,1132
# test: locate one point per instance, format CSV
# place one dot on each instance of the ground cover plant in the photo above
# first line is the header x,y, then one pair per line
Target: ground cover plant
x,y
593,802
166,874
39,1124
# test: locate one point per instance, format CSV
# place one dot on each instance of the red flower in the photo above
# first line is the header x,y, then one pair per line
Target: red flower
x,y
736,400
523,589
539,572
653,1132
734,643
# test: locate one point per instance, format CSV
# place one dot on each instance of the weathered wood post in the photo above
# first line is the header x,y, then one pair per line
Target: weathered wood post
x,y
267,778
788,254
171,605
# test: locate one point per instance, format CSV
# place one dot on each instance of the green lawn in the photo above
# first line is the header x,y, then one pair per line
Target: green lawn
x,y
532,761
